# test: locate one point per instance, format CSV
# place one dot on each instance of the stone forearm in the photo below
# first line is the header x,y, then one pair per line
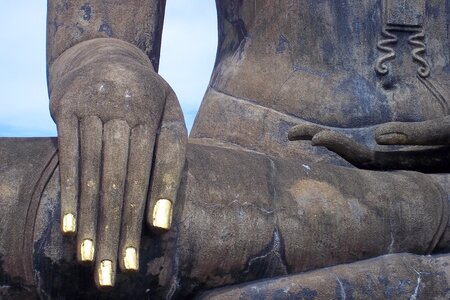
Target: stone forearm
x,y
137,22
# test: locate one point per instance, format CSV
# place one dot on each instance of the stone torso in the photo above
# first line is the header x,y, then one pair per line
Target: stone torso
x,y
316,60
284,62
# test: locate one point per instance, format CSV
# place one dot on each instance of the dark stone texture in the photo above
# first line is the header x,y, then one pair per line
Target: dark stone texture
x,y
313,62
395,276
272,194
136,22
262,222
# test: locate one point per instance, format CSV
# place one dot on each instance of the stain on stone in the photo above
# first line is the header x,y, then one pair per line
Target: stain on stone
x,y
270,175
372,31
282,294
253,294
387,291
389,82
87,10
283,129
65,279
328,48
80,29
303,294
307,70
343,29
66,4
369,98
369,289
14,287
398,288
307,294
344,290
283,44
106,29
432,9
229,12
271,261
55,25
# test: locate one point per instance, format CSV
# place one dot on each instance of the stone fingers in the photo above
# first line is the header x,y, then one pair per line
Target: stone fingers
x,y
110,175
139,165
355,153
304,131
68,152
91,150
115,156
425,160
428,133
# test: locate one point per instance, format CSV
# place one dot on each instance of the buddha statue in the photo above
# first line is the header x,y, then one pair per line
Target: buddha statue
x,y
318,165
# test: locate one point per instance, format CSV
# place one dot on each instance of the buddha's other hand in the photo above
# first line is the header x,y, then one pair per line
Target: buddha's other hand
x,y
122,143
429,141
428,133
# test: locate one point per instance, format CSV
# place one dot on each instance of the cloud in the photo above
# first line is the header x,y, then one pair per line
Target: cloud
x,y
188,51
187,58
23,98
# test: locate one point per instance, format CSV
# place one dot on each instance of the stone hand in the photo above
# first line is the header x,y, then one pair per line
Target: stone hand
x,y
434,132
122,143
424,159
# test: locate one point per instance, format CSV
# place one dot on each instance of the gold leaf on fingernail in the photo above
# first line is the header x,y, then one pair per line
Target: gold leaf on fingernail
x,y
130,259
87,251
162,214
69,223
105,274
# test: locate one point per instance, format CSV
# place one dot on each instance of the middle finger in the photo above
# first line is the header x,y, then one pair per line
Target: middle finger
x,y
115,156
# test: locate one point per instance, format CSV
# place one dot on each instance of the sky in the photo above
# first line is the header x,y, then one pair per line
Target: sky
x,y
187,58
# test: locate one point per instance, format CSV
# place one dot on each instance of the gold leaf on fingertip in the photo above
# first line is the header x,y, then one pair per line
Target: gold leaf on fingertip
x,y
87,251
105,274
162,214
69,224
130,259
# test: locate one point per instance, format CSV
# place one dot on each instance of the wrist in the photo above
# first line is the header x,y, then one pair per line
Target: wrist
x,y
99,50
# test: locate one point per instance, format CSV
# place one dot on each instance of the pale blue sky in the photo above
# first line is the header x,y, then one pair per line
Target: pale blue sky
x,y
187,57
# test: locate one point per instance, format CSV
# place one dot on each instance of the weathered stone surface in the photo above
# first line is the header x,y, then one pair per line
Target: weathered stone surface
x,y
245,216
136,22
367,80
263,216
315,61
396,276
405,13
22,165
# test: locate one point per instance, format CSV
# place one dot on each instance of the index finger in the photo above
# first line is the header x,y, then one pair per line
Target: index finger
x,y
68,151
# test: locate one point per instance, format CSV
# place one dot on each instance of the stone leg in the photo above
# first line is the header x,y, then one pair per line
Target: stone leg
x,y
242,216
394,276
248,216
23,163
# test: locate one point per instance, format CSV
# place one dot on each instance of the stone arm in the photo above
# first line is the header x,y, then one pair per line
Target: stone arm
x,y
429,143
138,22
121,132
